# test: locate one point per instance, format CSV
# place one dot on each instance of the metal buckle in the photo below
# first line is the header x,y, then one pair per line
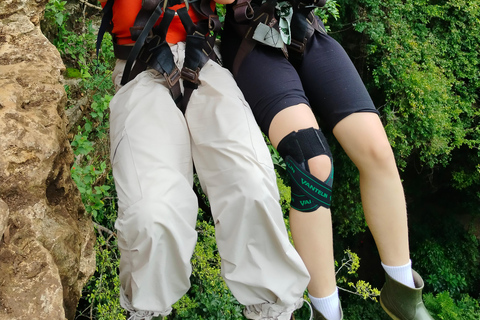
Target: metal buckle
x,y
249,13
173,77
190,75
297,46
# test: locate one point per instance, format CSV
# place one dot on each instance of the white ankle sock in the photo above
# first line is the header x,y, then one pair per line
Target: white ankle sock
x,y
402,274
328,306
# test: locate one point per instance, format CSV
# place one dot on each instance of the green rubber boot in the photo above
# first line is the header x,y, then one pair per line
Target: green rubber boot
x,y
401,302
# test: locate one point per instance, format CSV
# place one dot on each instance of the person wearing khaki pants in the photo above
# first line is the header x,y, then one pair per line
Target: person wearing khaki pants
x,y
153,150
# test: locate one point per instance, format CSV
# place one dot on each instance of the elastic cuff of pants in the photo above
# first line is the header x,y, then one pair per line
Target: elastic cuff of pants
x,y
139,314
270,310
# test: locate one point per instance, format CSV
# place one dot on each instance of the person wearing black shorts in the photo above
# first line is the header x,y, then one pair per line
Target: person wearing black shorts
x,y
287,97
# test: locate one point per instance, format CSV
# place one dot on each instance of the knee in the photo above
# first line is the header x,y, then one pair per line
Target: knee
x,y
321,167
310,149
377,155
153,221
310,167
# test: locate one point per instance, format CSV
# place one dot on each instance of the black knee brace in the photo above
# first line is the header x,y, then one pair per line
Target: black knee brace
x,y
308,192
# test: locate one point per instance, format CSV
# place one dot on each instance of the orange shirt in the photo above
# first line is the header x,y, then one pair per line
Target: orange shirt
x,y
125,12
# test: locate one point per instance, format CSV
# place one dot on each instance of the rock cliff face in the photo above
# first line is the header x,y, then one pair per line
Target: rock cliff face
x,y
46,239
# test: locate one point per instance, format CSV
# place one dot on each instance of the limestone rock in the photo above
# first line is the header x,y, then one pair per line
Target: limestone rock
x,y
46,239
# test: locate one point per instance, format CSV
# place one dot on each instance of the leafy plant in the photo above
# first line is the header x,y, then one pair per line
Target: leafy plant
x,y
444,307
330,10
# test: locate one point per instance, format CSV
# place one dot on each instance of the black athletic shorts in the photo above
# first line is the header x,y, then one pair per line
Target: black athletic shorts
x,y
326,80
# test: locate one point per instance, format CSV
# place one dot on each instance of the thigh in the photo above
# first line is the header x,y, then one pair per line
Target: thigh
x,y
331,81
150,142
226,140
270,84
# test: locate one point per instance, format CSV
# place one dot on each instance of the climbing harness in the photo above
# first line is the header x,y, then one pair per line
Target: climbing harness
x,y
152,50
258,23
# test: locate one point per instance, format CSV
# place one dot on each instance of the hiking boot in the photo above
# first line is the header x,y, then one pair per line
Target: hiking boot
x,y
401,302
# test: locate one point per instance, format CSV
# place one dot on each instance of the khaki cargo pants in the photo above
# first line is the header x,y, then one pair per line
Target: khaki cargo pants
x,y
152,148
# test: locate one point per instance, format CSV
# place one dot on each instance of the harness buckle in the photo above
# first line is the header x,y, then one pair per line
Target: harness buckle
x,y
190,75
243,13
297,46
173,77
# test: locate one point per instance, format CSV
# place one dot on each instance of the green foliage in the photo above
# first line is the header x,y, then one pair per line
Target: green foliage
x,y
420,62
208,297
329,10
55,13
443,261
444,307
355,308
425,59
92,195
89,171
103,290
221,11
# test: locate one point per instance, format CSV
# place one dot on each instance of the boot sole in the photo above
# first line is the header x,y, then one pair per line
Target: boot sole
x,y
388,312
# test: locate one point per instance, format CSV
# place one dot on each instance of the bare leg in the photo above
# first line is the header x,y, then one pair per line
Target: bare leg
x,y
311,232
363,138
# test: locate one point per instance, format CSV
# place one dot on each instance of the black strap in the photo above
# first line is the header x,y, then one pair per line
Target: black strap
x,y
141,20
156,54
264,14
302,27
121,52
106,24
199,47
152,50
140,42
195,59
243,11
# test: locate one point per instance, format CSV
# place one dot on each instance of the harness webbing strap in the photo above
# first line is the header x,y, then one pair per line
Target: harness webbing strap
x,y
155,52
198,48
148,7
139,43
243,11
152,50
106,24
195,59
303,25
265,14
120,51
